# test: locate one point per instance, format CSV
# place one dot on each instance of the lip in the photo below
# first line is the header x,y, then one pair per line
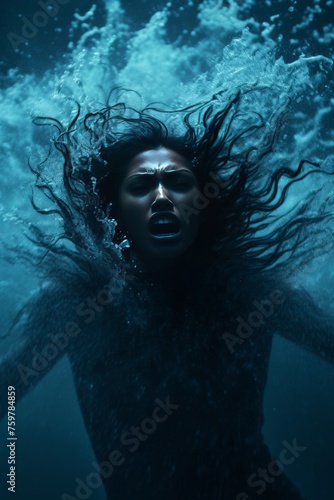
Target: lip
x,y
164,226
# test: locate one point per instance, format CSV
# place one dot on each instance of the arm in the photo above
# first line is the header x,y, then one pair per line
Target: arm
x,y
32,348
302,322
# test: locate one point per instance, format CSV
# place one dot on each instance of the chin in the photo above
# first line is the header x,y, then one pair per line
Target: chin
x,y
164,256
162,251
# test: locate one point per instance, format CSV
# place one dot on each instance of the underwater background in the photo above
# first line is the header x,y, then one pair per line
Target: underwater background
x,y
177,52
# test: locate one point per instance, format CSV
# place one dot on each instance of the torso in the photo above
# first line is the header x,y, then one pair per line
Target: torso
x,y
211,441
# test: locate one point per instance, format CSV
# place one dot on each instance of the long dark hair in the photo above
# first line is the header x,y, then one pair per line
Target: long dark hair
x,y
245,225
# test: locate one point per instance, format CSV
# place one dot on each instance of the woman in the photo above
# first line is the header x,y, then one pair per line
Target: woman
x,y
168,316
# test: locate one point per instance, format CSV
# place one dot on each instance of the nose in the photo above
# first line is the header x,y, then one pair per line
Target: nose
x,y
162,200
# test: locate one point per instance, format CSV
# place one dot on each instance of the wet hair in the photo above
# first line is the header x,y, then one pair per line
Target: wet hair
x,y
118,157
243,223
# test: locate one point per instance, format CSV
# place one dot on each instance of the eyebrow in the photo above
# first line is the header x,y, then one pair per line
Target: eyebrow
x,y
164,172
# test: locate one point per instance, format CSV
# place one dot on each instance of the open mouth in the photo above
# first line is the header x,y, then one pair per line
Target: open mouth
x,y
164,225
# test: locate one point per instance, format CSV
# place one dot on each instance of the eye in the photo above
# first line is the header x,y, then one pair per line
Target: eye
x,y
181,183
139,188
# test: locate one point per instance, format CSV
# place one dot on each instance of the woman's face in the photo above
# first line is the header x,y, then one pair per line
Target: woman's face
x,y
157,191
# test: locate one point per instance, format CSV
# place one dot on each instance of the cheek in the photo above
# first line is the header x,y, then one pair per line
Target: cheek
x,y
198,204
194,203
131,213
192,197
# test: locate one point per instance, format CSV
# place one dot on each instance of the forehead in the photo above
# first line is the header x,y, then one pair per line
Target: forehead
x,y
158,160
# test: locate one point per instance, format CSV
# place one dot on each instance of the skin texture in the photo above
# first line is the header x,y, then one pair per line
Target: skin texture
x,y
158,182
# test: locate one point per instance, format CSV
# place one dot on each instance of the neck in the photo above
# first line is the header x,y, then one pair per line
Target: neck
x,y
162,272
174,281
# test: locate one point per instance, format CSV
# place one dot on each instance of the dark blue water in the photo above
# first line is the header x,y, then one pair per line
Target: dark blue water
x,y
177,52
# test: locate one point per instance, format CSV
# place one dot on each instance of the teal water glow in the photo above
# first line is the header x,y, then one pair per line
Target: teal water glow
x,y
227,44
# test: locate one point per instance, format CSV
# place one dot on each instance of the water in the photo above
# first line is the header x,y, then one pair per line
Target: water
x,y
179,53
